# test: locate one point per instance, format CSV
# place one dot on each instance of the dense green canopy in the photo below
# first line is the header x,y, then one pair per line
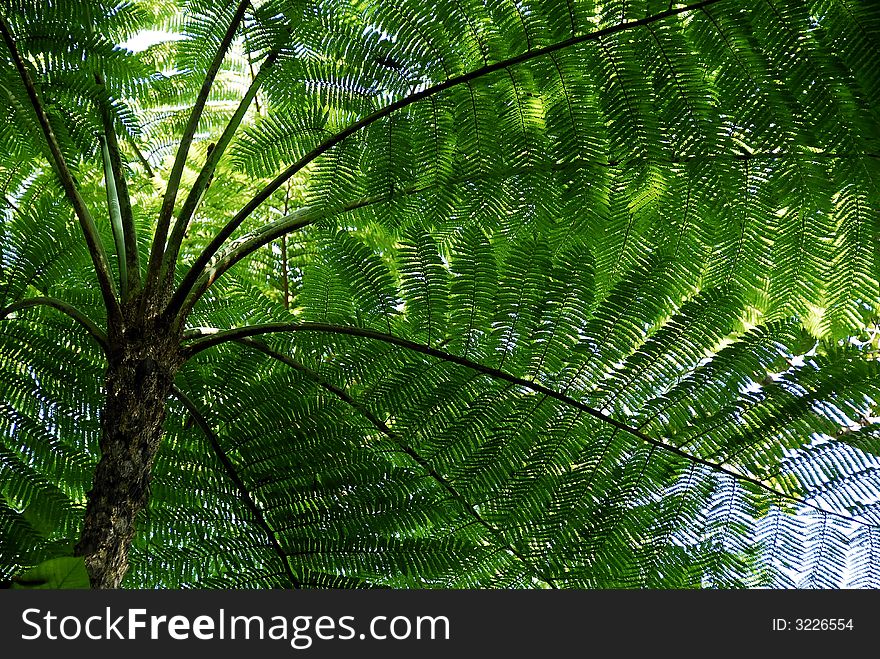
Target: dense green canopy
x,y
541,293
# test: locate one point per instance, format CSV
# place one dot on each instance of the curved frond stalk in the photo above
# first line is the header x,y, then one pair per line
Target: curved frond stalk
x,y
426,466
90,231
207,171
549,293
163,224
115,217
69,310
232,473
221,237
195,283
139,154
200,276
205,338
120,199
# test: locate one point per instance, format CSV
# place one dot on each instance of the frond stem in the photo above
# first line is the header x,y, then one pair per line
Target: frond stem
x,y
214,440
207,337
382,427
196,282
164,222
464,78
113,208
142,159
131,282
200,277
65,308
87,224
207,172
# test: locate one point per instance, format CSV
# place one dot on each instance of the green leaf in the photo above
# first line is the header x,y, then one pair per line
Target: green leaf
x,y
40,518
67,572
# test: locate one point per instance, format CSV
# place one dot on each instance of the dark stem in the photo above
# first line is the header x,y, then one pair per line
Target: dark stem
x,y
247,49
200,277
219,240
164,222
87,224
148,170
64,308
285,277
9,203
206,338
404,446
207,172
231,471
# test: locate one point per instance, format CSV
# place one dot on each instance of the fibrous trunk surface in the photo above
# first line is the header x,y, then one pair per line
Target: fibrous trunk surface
x,y
142,361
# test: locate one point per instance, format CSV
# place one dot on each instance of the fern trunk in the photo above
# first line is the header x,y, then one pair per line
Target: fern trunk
x,y
142,361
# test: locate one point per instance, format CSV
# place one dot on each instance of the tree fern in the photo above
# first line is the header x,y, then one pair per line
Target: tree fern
x,y
459,294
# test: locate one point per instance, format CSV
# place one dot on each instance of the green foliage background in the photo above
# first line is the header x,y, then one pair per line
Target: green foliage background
x,y
628,250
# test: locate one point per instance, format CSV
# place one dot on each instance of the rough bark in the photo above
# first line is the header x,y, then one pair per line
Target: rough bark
x,y
143,358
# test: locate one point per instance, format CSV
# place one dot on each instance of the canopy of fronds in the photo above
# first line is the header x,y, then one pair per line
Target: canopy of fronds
x,y
550,293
